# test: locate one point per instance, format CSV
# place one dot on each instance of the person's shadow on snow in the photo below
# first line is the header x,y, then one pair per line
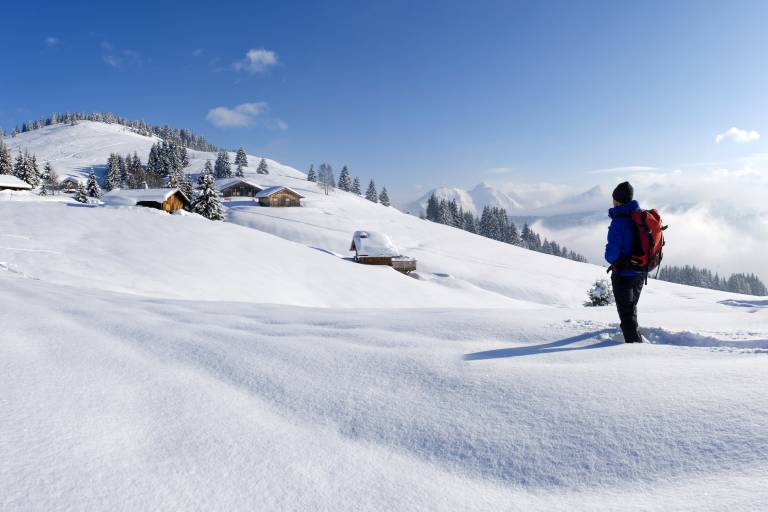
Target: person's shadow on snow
x,y
547,348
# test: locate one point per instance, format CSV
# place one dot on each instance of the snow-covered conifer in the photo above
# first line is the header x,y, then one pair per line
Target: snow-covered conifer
x,y
356,189
345,182
262,168
600,294
6,163
384,197
207,170
92,188
113,174
311,176
241,161
222,168
371,193
81,195
208,203
433,208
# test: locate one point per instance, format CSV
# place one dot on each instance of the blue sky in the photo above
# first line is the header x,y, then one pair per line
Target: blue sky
x,y
410,93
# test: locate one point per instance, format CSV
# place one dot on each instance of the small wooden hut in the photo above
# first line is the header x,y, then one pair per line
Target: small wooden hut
x,y
10,182
373,248
167,199
279,196
69,184
237,188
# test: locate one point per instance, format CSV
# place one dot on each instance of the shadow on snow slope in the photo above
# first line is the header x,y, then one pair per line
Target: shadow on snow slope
x,y
611,336
545,348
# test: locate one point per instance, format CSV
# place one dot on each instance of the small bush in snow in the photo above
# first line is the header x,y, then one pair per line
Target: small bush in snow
x,y
601,294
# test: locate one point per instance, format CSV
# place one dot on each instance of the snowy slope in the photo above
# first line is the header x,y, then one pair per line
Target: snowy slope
x,y
148,252
122,403
150,361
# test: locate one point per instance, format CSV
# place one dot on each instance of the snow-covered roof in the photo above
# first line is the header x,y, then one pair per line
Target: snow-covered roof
x,y
9,181
273,190
73,180
373,243
131,197
225,183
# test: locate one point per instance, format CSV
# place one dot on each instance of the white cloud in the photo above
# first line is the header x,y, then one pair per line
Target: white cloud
x,y
119,59
51,41
239,116
625,169
197,52
256,60
737,135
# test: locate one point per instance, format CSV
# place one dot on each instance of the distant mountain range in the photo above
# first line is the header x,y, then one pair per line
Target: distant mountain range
x,y
538,204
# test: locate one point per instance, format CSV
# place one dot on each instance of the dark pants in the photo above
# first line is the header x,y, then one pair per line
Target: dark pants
x,y
626,290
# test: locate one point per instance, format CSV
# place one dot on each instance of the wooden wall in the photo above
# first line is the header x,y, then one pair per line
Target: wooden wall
x,y
282,198
173,203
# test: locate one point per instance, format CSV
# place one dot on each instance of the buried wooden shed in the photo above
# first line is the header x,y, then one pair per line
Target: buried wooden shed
x,y
10,182
167,199
279,196
373,248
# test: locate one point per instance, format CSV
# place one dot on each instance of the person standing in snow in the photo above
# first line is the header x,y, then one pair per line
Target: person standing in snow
x,y
627,283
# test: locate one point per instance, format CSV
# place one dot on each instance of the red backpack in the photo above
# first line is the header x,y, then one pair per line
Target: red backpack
x,y
649,241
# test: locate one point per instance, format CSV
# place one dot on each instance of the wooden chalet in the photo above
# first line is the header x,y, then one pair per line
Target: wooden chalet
x,y
10,182
167,199
232,189
69,184
373,248
279,196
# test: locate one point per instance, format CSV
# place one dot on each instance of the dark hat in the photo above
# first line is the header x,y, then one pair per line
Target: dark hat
x,y
623,192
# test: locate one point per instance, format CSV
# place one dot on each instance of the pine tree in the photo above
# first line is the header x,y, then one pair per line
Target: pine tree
x,y
222,168
207,169
33,172
81,196
113,174
345,182
433,208
241,161
262,168
18,166
513,237
469,223
136,177
6,163
371,194
444,215
153,162
356,187
208,203
528,238
92,188
26,169
384,197
123,166
311,176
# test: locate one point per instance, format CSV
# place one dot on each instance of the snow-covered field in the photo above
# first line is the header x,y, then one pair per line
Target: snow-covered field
x,y
150,361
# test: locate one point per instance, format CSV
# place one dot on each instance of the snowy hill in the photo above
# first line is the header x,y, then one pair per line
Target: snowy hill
x,y
75,150
155,361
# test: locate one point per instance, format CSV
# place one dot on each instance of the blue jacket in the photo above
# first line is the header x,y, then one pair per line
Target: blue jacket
x,y
621,234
